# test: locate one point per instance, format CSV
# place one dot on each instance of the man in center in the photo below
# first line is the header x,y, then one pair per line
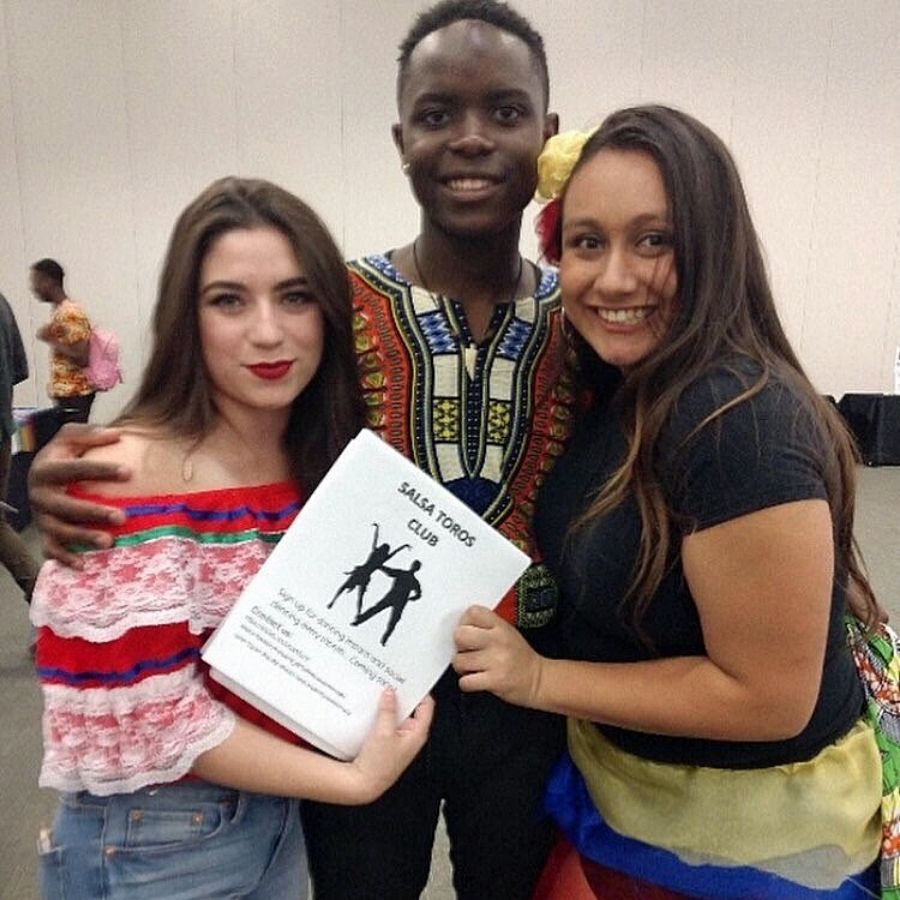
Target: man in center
x,y
462,371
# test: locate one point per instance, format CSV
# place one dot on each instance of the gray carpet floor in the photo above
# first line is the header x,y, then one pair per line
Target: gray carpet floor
x,y
26,807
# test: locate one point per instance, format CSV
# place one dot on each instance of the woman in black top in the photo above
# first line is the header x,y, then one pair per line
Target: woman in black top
x,y
700,528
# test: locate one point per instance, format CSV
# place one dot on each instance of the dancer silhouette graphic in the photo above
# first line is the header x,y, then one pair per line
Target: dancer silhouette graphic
x,y
405,588
360,575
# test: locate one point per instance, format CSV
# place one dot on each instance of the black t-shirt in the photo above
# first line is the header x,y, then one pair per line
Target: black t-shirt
x,y
762,452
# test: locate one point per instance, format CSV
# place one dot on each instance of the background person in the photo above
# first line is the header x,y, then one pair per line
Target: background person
x,y
68,333
171,786
716,746
14,555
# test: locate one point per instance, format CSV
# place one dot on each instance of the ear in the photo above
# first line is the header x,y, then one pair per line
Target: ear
x,y
397,135
551,125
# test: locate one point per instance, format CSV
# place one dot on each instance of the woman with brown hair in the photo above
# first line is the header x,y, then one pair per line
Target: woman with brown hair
x,y
171,786
700,527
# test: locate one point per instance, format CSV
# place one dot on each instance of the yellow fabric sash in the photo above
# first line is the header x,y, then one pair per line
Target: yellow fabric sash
x,y
815,822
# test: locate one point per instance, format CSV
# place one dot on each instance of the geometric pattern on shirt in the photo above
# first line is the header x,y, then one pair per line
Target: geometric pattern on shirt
x,y
492,433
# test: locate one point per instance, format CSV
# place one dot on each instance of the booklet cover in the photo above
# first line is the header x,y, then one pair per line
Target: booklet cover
x,y
363,591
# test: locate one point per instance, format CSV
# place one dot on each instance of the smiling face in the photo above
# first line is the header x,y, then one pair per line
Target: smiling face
x,y
261,329
472,124
617,270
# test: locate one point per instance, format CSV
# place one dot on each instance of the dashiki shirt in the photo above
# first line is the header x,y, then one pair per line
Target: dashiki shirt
x,y
127,700
486,420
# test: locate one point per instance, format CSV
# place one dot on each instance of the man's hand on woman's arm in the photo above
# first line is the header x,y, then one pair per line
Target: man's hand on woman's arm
x,y
61,519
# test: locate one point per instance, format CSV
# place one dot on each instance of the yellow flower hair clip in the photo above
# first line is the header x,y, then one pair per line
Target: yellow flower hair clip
x,y
556,162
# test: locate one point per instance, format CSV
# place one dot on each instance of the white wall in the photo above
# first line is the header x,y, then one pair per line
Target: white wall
x,y
115,113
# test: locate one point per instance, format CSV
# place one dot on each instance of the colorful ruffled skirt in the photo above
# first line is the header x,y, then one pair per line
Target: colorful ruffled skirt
x,y
803,831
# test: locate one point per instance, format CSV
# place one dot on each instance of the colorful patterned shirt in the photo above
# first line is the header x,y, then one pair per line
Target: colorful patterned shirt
x,y
68,325
127,700
487,420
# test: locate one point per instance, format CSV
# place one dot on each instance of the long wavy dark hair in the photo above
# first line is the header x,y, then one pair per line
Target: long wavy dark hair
x,y
175,391
725,310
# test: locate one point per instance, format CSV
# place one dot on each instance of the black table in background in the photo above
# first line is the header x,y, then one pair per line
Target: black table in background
x,y
874,420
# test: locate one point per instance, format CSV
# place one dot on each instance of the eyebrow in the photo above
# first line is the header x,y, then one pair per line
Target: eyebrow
x,y
300,281
433,97
509,94
494,96
642,219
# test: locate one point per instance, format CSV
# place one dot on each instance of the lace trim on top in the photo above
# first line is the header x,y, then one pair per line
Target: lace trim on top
x,y
118,741
175,559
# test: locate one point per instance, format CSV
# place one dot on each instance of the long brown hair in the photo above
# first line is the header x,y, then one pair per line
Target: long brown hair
x,y
725,310
175,390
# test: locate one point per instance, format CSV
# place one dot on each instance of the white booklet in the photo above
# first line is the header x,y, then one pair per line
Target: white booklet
x,y
364,590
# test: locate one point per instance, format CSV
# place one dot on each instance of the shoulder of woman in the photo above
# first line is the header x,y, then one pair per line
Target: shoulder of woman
x,y
738,395
728,384
154,459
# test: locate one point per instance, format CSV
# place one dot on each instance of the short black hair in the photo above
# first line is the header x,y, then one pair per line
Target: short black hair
x,y
51,268
492,12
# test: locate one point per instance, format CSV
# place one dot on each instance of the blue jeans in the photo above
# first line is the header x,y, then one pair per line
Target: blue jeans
x,y
178,841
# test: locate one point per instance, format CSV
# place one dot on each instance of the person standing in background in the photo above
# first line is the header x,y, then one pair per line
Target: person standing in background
x,y
68,333
13,368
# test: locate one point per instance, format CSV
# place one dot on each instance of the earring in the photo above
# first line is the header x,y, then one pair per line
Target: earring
x,y
565,326
405,167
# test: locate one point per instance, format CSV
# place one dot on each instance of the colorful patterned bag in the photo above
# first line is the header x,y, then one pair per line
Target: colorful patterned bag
x,y
877,657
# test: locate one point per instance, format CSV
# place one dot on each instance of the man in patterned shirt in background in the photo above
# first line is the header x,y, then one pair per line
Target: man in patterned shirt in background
x,y
68,333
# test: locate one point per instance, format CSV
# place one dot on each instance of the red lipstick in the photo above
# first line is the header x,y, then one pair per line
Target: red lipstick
x,y
272,371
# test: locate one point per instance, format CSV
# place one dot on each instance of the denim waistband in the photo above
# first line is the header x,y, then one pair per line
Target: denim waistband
x,y
163,794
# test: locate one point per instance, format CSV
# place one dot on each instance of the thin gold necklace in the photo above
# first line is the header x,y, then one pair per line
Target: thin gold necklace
x,y
470,350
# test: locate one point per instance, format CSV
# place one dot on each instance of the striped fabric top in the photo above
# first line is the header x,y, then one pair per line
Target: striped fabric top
x,y
127,700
